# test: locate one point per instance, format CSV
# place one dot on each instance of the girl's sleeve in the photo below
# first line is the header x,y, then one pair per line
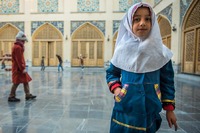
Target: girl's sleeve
x,y
167,86
113,75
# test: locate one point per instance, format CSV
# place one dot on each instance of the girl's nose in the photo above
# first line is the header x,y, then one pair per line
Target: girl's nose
x,y
142,23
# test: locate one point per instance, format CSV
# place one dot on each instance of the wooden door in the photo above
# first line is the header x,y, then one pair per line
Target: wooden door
x,y
191,39
91,58
87,49
189,52
114,42
75,54
197,68
51,54
36,54
167,41
99,53
48,49
88,41
6,47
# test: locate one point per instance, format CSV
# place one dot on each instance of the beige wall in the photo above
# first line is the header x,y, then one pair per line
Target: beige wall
x,y
108,12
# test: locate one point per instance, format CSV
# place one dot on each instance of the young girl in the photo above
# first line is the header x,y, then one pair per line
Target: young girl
x,y
140,75
19,73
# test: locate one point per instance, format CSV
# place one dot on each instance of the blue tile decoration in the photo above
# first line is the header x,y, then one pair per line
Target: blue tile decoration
x,y
88,5
116,24
58,24
19,25
156,1
9,6
124,5
48,6
167,12
99,24
184,5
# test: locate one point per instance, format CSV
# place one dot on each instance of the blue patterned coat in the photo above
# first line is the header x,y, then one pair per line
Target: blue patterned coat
x,y
138,108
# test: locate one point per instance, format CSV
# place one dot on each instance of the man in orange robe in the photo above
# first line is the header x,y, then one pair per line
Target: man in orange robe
x,y
19,74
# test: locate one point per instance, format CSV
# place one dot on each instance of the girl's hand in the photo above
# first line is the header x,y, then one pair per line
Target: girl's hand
x,y
117,91
171,118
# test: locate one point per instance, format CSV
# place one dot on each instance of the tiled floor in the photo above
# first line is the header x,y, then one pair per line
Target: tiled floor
x,y
76,101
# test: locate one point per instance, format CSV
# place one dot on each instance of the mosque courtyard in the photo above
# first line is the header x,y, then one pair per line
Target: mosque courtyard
x,y
76,101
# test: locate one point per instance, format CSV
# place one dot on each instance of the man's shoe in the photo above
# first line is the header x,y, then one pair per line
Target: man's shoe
x,y
30,96
13,99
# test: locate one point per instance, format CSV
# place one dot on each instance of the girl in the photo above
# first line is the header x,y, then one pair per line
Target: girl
x,y
140,75
19,74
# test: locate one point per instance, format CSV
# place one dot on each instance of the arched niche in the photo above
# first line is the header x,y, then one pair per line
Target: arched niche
x,y
47,42
88,40
114,41
7,38
165,30
191,39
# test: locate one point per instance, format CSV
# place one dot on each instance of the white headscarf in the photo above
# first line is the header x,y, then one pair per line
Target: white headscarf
x,y
21,36
136,55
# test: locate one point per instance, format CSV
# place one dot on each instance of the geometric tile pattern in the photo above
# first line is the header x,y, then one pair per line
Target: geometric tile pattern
x,y
48,6
116,24
19,25
9,6
184,5
167,12
99,24
58,24
156,1
88,5
124,5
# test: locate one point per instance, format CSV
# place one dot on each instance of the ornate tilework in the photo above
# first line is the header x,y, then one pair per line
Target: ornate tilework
x,y
167,12
156,1
116,24
88,5
184,7
47,5
19,25
124,5
58,24
99,24
9,6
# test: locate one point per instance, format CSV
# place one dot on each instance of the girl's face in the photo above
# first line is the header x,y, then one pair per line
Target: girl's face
x,y
141,24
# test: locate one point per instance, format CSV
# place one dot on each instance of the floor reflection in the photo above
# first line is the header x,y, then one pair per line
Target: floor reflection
x,y
76,101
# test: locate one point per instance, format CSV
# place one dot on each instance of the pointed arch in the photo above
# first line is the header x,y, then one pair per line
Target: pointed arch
x,y
7,38
88,40
165,30
191,39
47,31
47,42
87,31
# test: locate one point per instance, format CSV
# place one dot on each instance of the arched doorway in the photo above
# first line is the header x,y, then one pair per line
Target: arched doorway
x,y
47,42
7,38
191,39
165,31
114,41
88,41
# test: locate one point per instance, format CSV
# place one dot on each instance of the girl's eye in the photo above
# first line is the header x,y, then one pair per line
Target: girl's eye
x,y
136,19
148,19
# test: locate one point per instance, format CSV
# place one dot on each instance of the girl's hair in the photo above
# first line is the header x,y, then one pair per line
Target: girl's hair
x,y
144,6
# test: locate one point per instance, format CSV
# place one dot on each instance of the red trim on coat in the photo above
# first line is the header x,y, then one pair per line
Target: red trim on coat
x,y
114,87
168,107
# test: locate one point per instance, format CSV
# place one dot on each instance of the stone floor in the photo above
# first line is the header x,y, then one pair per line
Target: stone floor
x,y
76,101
